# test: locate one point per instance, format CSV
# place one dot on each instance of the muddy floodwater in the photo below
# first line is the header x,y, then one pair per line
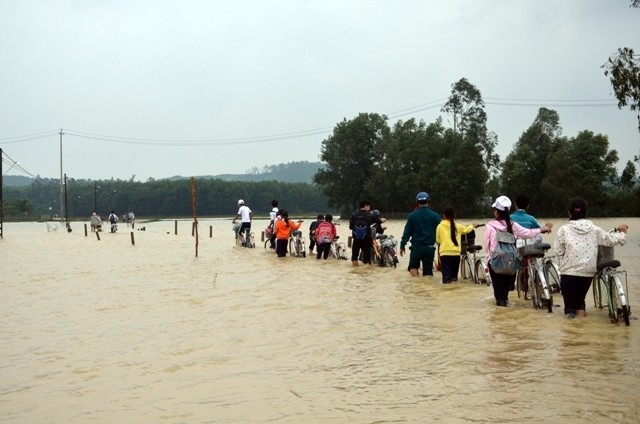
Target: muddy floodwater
x,y
108,331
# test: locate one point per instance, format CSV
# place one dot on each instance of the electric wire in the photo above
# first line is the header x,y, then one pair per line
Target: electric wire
x,y
437,103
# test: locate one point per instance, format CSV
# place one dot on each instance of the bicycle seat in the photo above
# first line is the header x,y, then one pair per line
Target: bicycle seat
x,y
296,233
336,238
608,264
535,253
474,248
381,236
543,246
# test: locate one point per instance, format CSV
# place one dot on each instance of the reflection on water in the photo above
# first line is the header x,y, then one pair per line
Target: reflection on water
x,y
106,331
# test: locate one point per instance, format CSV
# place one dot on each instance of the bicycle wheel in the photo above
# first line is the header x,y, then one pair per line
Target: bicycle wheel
x,y
300,248
387,258
341,251
545,291
467,268
619,301
552,275
481,275
520,284
535,287
292,248
598,290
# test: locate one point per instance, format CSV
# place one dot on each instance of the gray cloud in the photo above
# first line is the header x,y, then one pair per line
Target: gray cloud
x,y
235,70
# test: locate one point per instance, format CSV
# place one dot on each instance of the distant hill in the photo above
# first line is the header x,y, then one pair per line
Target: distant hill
x,y
16,180
292,172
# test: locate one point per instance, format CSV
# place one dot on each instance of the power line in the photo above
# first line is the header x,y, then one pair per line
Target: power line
x,y
438,103
14,164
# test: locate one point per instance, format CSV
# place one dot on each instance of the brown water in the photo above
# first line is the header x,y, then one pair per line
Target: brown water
x,y
111,332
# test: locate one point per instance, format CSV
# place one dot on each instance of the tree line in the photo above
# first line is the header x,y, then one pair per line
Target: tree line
x,y
365,157
458,167
159,199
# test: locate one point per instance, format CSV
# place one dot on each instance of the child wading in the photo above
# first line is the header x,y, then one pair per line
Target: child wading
x,y
325,233
283,232
448,238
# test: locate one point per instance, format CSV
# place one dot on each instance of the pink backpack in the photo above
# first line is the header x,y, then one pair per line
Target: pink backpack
x,y
324,232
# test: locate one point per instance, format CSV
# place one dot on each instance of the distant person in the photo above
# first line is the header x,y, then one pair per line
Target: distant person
x,y
522,217
420,229
312,232
113,219
325,233
96,222
378,221
360,225
577,248
449,239
283,228
245,214
131,219
273,215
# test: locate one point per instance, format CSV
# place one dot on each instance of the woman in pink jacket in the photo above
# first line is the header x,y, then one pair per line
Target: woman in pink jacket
x,y
503,283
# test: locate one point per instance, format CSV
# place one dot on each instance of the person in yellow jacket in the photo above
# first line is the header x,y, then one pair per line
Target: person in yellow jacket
x,y
448,239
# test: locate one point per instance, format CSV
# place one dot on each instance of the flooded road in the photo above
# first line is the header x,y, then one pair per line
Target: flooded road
x,y
106,331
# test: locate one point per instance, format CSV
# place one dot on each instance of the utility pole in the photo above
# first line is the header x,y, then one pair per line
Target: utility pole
x,y
61,180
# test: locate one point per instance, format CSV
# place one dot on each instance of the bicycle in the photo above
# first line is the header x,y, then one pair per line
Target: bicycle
x,y
471,266
388,256
338,249
533,276
297,245
608,287
267,233
244,239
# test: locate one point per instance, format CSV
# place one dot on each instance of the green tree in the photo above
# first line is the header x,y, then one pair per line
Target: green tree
x,y
581,167
623,70
18,208
470,120
350,156
524,169
628,176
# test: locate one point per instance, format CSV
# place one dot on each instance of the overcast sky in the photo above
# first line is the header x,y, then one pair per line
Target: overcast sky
x,y
201,87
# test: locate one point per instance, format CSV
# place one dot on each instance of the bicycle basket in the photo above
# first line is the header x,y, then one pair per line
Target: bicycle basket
x,y
468,241
605,253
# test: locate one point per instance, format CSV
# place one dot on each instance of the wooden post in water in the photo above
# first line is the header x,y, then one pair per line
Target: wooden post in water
x,y
97,235
210,231
133,241
193,228
195,212
85,230
175,230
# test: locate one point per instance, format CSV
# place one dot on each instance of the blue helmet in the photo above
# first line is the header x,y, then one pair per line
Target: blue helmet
x,y
422,196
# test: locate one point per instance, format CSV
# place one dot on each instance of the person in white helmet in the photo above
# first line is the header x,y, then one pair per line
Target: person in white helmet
x,y
245,214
